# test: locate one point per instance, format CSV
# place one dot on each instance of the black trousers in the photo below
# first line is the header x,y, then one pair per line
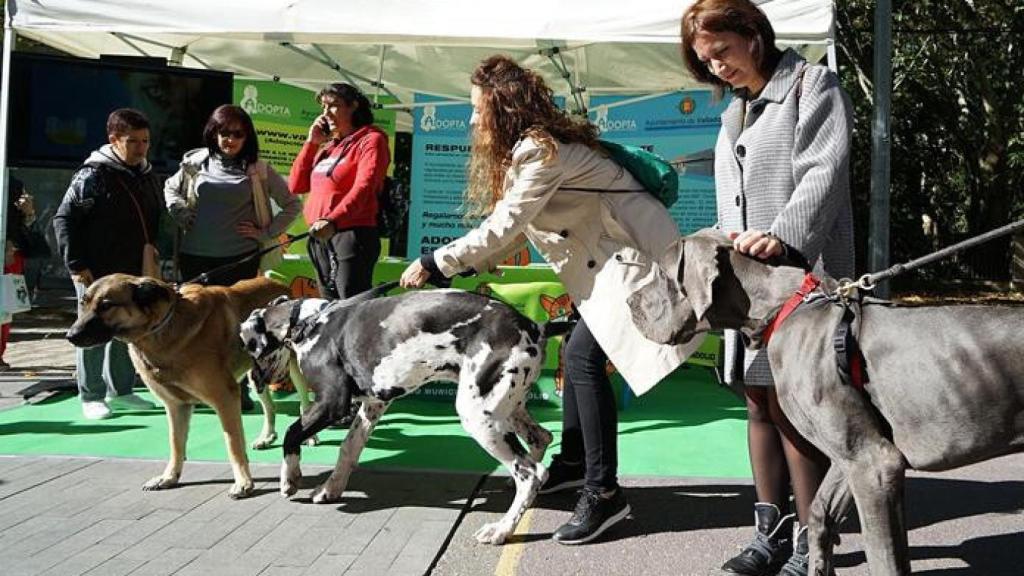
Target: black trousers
x,y
590,418
344,262
192,265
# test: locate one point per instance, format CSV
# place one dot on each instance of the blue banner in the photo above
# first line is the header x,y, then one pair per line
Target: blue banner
x,y
440,154
682,127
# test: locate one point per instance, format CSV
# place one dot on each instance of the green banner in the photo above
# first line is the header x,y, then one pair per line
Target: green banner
x,y
282,115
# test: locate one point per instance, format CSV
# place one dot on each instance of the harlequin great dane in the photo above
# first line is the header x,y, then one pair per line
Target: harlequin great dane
x,y
945,389
380,349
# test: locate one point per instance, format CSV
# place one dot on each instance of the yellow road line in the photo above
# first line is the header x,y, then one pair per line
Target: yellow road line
x,y
513,550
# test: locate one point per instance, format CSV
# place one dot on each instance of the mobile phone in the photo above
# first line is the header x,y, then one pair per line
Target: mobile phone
x,y
324,126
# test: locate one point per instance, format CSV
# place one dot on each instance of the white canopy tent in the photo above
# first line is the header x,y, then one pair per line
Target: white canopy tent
x,y
397,46
402,46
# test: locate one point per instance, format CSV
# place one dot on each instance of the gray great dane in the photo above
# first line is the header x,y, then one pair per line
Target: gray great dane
x,y
946,383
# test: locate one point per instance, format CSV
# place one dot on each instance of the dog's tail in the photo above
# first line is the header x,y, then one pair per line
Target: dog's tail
x,y
557,327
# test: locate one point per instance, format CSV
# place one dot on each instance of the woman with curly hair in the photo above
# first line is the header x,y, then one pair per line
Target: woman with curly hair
x,y
537,174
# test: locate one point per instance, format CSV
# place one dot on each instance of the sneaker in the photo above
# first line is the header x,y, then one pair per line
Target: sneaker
x,y
772,544
95,410
593,515
562,476
130,402
798,562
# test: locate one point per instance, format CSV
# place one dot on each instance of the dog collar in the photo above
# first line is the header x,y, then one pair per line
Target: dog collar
x,y
166,319
806,287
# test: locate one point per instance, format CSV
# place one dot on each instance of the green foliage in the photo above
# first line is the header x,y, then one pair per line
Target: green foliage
x,y
957,125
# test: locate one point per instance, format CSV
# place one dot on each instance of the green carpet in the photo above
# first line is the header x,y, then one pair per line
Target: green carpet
x,y
686,426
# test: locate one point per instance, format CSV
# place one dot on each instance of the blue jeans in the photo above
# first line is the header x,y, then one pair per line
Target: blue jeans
x,y
103,370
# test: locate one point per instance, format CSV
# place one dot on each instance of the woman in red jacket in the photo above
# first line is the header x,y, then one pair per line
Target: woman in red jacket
x,y
342,166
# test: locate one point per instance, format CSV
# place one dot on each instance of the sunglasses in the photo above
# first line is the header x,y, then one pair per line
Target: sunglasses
x,y
237,134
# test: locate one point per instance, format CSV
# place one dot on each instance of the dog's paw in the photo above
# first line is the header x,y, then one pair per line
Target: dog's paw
x,y
313,440
264,441
160,483
324,496
493,533
241,490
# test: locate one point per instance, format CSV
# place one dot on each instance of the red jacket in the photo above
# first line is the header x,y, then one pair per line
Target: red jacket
x,y
348,195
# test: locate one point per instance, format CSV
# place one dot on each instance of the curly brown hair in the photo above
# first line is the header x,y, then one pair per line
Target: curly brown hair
x,y
515,102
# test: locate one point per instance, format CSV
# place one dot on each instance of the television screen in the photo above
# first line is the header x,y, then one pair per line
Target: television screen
x,y
59,107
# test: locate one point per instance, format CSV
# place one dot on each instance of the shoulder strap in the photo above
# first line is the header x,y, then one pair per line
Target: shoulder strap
x,y
138,208
261,201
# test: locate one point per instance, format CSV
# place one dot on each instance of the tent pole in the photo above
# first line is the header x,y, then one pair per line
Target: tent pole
x,y
5,96
380,72
878,241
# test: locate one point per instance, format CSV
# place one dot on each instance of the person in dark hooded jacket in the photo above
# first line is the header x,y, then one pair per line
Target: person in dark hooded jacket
x,y
110,211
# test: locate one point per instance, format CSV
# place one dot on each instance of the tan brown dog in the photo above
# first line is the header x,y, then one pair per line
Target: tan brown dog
x,y
185,346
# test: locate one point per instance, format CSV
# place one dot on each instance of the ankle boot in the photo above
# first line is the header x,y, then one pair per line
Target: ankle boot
x,y
797,563
772,544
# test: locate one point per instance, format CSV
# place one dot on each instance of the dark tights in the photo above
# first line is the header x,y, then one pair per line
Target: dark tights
x,y
779,456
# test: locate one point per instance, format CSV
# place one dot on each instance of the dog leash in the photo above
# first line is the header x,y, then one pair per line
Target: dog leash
x,y
869,281
205,276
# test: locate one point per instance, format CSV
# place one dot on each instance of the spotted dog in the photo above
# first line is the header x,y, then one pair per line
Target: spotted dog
x,y
380,349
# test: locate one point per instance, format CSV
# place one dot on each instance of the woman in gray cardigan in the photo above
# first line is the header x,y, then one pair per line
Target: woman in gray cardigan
x,y
213,197
781,179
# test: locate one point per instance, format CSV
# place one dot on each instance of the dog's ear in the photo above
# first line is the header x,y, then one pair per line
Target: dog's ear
x,y
659,310
698,269
147,292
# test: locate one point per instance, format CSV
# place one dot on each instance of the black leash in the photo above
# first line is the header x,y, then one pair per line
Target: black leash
x,y
205,276
869,281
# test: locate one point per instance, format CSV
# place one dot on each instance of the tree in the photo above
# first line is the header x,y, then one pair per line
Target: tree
x,y
957,130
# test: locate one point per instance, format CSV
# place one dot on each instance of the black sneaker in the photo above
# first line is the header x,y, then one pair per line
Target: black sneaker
x,y
562,476
798,562
593,516
772,545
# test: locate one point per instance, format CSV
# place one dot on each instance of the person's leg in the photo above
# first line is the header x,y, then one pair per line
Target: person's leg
x,y
601,502
120,376
92,388
359,275
767,462
567,469
595,401
773,525
320,256
807,467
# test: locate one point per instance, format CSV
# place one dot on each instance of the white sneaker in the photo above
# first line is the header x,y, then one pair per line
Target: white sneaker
x,y
130,402
96,410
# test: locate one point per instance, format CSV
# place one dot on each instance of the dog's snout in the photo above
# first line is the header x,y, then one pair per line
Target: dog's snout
x,y
89,331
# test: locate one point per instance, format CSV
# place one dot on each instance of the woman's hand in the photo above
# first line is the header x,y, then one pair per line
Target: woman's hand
x,y
415,276
317,134
322,229
249,229
757,244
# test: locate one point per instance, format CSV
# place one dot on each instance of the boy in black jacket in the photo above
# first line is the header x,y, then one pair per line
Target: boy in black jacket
x,y
109,212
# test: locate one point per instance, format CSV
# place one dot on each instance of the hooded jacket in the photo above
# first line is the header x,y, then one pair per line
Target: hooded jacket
x,y
110,210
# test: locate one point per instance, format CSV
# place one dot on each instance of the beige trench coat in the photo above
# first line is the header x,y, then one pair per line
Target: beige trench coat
x,y
599,243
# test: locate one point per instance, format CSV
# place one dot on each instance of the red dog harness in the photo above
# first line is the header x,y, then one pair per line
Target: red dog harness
x,y
849,359
809,284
